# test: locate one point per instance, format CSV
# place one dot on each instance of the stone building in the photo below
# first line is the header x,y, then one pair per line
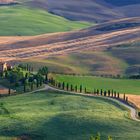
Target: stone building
x,y
4,66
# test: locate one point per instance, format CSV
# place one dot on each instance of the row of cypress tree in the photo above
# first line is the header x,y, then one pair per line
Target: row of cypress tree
x,y
81,89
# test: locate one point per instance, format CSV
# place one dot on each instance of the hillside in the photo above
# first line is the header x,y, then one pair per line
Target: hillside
x,y
71,117
21,20
89,10
53,49
99,37
85,10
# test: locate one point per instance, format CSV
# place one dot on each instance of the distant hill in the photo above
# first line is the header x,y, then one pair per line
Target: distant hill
x,y
86,10
89,10
19,20
122,2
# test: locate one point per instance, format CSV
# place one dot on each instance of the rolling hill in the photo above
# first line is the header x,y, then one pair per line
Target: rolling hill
x,y
77,44
89,10
86,10
71,117
19,20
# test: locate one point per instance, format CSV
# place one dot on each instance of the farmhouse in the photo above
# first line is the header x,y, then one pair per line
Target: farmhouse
x,y
4,66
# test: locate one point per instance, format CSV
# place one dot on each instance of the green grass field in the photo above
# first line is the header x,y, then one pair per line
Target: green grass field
x,y
22,20
90,82
54,116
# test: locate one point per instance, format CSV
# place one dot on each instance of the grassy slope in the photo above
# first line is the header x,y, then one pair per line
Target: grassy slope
x,y
130,54
21,20
64,117
120,85
83,63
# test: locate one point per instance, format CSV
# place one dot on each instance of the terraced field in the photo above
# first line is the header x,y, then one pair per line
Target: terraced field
x,y
62,116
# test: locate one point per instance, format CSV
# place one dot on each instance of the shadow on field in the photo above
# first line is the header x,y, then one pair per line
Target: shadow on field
x,y
61,127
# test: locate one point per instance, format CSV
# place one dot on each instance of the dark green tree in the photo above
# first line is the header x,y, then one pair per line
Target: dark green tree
x,y
67,87
76,89
63,85
81,88
44,71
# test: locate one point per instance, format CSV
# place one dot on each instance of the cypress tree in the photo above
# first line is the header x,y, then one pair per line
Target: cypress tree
x,y
94,91
9,91
24,88
85,90
71,87
118,95
104,93
109,93
63,86
115,94
112,93
67,87
32,86
101,92
81,89
124,97
97,91
75,88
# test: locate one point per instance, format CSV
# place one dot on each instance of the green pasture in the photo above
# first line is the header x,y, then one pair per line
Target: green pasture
x,y
57,116
127,86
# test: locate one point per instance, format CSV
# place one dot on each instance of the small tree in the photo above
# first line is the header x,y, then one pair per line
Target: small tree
x,y
81,88
9,91
109,93
104,93
138,114
85,90
97,137
115,94
94,91
97,91
112,92
63,86
118,95
76,89
110,138
124,97
44,71
67,87
101,92
59,85
71,87
25,84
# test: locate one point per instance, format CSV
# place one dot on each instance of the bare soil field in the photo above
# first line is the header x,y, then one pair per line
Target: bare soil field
x,y
94,38
135,99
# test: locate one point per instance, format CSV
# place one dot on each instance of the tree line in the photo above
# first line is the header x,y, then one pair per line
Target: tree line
x,y
81,89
